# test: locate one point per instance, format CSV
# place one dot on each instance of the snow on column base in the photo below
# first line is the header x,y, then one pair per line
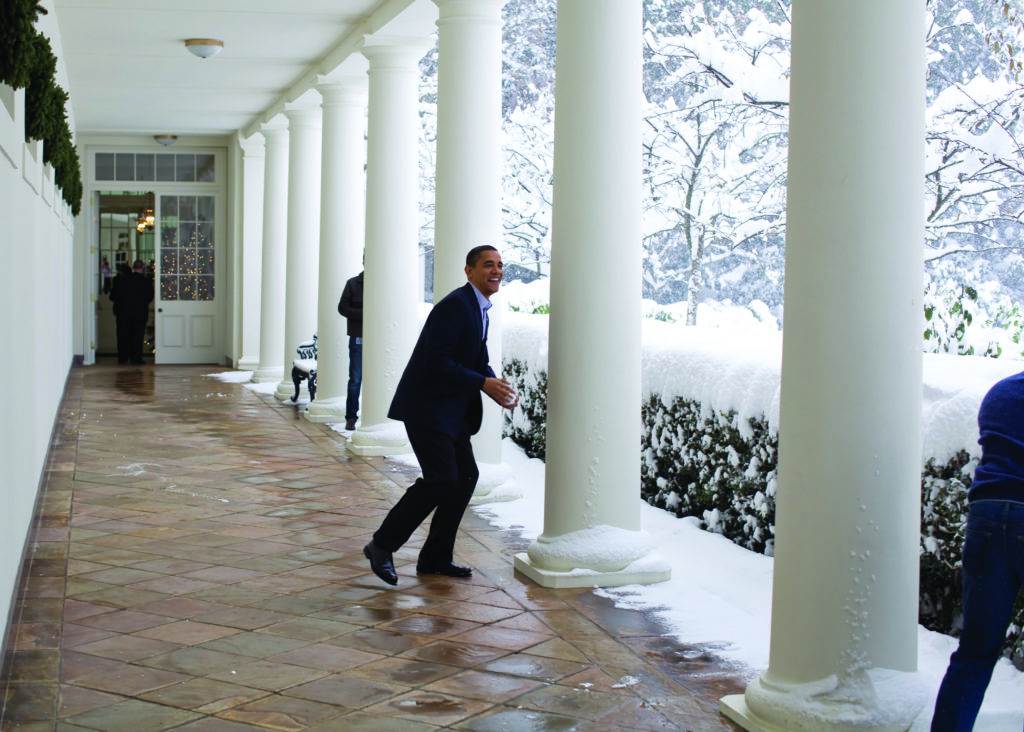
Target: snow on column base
x,y
877,700
385,438
285,389
323,411
262,376
601,556
495,484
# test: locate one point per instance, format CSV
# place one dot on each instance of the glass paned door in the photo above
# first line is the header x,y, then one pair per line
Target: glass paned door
x,y
186,310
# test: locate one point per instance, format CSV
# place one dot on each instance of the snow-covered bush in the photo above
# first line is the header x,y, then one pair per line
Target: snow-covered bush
x,y
709,440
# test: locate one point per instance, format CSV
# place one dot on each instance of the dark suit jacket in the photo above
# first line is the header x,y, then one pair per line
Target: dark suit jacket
x,y
440,387
351,304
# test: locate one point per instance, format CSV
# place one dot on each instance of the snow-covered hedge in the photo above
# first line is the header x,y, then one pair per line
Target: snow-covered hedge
x,y
710,438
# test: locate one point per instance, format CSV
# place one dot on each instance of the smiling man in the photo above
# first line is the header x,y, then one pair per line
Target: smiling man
x,y
438,399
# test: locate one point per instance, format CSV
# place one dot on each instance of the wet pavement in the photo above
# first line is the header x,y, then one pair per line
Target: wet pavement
x,y
196,564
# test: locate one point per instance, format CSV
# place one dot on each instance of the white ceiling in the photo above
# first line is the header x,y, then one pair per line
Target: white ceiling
x,y
129,71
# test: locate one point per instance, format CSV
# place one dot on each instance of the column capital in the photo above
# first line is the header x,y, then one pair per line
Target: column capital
x,y
399,53
275,130
469,12
253,146
302,116
347,91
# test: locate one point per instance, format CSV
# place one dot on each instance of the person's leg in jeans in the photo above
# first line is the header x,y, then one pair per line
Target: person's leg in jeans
x,y
355,380
991,576
436,454
439,548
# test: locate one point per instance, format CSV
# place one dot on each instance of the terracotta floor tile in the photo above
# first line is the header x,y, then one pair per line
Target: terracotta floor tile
x,y
77,700
283,713
534,667
405,671
179,607
247,618
484,686
312,629
36,636
35,665
195,661
29,702
130,680
572,702
78,635
186,632
326,657
462,655
374,640
424,706
504,719
347,691
204,695
123,621
505,638
257,645
431,625
126,647
133,716
261,674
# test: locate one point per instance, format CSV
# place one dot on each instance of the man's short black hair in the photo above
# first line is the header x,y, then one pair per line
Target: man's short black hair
x,y
474,254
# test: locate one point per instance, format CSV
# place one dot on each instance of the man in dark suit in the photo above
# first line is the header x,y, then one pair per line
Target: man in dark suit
x,y
351,306
131,293
438,398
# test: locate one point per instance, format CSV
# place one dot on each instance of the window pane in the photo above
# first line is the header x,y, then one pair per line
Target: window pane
x,y
168,206
187,208
144,167
104,166
205,261
204,168
165,167
125,164
168,261
204,208
187,235
168,287
188,288
188,260
205,288
186,169
204,235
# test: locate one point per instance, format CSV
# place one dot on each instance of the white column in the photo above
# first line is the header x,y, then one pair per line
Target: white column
x,y
275,236
342,209
468,187
845,592
390,295
253,150
592,473
303,236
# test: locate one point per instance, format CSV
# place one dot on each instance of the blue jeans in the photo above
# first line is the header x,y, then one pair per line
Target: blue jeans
x,y
993,569
355,377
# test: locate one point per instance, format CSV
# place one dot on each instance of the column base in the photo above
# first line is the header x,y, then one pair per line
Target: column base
x,y
877,700
263,375
286,389
326,411
379,440
496,484
647,571
248,364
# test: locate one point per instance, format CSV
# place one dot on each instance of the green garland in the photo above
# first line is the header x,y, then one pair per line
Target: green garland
x,y
45,101
17,32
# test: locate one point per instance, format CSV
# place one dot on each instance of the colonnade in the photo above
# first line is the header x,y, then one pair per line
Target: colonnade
x,y
844,609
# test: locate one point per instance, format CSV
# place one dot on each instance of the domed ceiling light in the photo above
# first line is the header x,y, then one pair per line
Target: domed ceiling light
x,y
166,140
204,47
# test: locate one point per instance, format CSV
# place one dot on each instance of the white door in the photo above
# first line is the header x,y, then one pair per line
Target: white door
x,y
186,305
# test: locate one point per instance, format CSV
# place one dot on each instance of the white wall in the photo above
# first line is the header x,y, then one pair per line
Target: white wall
x,y
35,329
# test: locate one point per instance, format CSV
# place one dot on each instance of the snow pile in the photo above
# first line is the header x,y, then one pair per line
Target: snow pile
x,y
231,377
263,387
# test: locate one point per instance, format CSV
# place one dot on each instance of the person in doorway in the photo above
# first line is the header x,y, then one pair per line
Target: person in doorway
x,y
131,293
105,274
351,307
993,560
438,399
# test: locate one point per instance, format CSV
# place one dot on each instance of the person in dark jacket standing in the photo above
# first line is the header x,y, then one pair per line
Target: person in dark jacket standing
x,y
993,556
438,398
131,292
351,306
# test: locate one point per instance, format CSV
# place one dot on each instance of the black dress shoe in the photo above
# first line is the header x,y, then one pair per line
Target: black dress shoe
x,y
448,569
381,563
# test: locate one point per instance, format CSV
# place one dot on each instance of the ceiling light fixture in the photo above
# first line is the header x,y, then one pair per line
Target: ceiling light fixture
x,y
166,140
204,47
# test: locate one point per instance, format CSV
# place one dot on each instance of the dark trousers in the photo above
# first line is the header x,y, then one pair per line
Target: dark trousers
x,y
449,478
124,331
993,569
136,335
355,377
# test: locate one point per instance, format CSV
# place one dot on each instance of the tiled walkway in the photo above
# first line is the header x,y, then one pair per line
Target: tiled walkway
x,y
196,564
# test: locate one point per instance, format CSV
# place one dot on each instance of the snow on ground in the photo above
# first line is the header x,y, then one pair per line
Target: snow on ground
x,y
723,602
264,387
231,377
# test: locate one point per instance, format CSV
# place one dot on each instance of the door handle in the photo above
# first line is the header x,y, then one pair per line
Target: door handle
x,y
159,310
